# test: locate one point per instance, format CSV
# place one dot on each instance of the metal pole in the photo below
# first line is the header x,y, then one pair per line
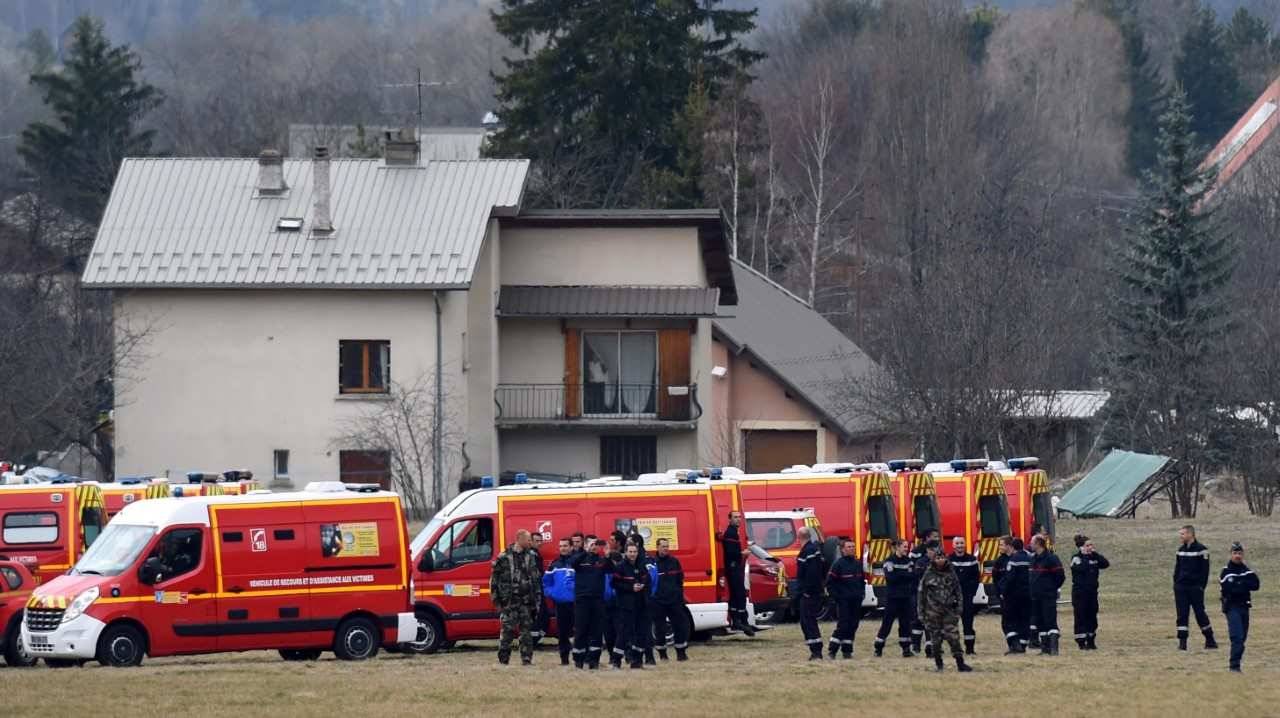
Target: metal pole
x,y
437,482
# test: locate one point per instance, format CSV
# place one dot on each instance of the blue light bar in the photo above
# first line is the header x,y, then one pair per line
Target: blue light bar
x,y
1025,462
522,478
486,482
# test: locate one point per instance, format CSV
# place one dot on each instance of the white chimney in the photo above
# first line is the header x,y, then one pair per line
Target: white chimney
x,y
322,219
271,173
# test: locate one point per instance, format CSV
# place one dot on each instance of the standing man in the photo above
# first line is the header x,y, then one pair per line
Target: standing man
x,y
591,569
846,583
617,542
1190,575
1085,567
810,572
1015,595
733,541
939,607
899,579
969,572
558,586
668,602
1046,577
1238,583
631,585
920,563
515,586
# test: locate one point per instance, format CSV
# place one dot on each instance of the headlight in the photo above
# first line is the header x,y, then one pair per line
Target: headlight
x,y
80,604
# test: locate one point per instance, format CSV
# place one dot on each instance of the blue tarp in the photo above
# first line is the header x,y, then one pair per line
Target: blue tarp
x,y
1106,489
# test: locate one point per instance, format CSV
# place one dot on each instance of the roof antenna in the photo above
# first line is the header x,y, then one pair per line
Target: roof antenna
x,y
418,85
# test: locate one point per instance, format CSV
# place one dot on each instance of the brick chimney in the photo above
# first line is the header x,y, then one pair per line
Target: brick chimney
x,y
401,148
271,173
322,217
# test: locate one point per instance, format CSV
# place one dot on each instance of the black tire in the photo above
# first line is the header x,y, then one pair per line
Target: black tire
x,y
300,654
62,663
14,653
121,646
357,639
430,636
446,645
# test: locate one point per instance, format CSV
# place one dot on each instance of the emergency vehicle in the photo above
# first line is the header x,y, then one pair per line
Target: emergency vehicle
x,y
916,497
125,491
778,534
1030,503
974,506
16,585
856,504
305,572
46,527
453,553
228,483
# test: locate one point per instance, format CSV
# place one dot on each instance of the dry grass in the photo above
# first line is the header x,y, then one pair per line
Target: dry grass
x,y
1136,673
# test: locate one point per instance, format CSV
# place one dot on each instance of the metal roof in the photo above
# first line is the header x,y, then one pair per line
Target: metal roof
x,y
812,358
526,301
1068,404
436,143
200,223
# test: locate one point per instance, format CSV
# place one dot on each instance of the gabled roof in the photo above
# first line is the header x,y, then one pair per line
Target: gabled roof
x,y
792,341
200,223
1253,130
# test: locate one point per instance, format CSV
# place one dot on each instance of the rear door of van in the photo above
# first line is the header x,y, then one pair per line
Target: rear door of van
x,y
356,560
263,581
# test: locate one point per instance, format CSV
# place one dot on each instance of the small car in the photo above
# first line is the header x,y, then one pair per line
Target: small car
x,y
16,584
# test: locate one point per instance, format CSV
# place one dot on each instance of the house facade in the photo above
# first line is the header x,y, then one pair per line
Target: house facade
x,y
270,310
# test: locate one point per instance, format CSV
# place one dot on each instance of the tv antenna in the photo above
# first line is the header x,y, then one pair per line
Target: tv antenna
x,y
418,86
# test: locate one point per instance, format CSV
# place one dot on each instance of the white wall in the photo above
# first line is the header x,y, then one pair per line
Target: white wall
x,y
229,376
625,256
578,452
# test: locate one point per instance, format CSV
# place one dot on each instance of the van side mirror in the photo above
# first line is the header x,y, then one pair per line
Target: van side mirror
x,y
427,564
151,570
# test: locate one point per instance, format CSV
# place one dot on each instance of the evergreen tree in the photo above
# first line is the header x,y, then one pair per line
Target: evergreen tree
x,y
1146,89
1170,317
602,104
1253,51
97,102
1205,70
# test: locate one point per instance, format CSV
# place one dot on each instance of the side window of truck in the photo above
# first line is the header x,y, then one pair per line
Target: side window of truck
x,y
771,534
179,552
36,527
9,579
463,542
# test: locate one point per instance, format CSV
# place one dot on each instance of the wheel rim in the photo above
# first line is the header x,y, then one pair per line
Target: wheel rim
x,y
425,638
359,642
123,649
23,654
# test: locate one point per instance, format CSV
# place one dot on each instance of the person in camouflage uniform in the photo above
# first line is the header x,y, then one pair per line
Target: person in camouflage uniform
x,y
939,607
515,586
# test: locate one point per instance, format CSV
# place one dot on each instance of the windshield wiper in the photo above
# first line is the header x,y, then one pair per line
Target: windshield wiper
x,y
88,571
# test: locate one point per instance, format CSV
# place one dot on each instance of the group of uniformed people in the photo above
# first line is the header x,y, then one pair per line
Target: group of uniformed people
x,y
607,595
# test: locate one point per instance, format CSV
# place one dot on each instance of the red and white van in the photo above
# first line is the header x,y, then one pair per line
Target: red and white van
x,y
452,554
16,585
46,527
974,507
321,569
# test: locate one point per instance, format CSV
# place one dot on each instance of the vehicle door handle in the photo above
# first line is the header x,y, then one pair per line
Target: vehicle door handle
x,y
235,589
197,592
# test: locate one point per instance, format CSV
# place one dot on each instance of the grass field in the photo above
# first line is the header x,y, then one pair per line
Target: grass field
x,y
1137,672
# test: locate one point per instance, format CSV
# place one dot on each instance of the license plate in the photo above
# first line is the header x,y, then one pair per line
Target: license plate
x,y
38,640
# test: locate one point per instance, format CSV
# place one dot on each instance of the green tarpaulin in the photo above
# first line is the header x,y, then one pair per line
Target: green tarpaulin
x,y
1108,489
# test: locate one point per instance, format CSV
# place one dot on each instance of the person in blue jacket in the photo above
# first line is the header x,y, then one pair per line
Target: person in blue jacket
x,y
557,585
1237,582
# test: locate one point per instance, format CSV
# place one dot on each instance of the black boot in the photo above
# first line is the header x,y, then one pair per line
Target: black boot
x,y
662,654
1091,643
1052,638
637,660
937,661
1044,645
879,649
564,659
526,661
1182,642
962,666
681,655
1083,643
906,650
504,658
648,657
928,650
615,660
1013,646
1209,643
968,646
1035,638
915,643
815,651
846,652
832,648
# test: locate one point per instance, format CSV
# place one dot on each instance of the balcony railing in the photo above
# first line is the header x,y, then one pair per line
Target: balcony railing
x,y
596,402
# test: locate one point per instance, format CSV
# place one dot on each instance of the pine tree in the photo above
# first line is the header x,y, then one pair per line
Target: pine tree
x,y
599,105
1205,70
97,102
1146,89
1171,313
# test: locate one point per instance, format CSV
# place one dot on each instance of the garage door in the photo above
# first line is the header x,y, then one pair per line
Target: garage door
x,y
769,451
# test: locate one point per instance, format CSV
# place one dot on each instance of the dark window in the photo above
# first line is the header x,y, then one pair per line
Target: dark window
x,y
364,367
1042,507
284,534
365,467
232,536
26,528
993,512
179,552
880,512
11,578
926,510
628,455
464,541
281,462
771,534
90,524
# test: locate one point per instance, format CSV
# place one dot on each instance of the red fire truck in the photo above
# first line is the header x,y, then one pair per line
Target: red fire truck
x,y
452,554
46,527
1030,503
916,497
974,506
16,585
322,569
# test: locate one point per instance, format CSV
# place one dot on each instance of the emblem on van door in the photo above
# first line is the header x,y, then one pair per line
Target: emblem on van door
x,y
544,528
258,540
128,498
55,498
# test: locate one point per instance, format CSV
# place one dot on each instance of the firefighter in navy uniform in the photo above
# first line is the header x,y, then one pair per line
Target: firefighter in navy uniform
x,y
1190,575
631,586
810,572
667,606
900,582
1238,583
617,542
846,583
1045,578
969,572
1015,595
590,571
733,541
1085,567
920,560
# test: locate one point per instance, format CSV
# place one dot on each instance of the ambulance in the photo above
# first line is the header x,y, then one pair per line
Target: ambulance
x,y
453,553
916,497
301,573
46,527
1030,502
124,491
856,504
16,585
974,506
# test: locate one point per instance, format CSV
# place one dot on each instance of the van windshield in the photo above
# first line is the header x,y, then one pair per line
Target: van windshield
x,y
1042,507
926,511
115,550
993,513
884,524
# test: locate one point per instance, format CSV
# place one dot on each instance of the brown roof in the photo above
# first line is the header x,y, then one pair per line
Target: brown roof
x,y
578,301
1249,134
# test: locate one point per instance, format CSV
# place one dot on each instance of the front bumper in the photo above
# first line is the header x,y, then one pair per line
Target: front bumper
x,y
77,638
406,628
